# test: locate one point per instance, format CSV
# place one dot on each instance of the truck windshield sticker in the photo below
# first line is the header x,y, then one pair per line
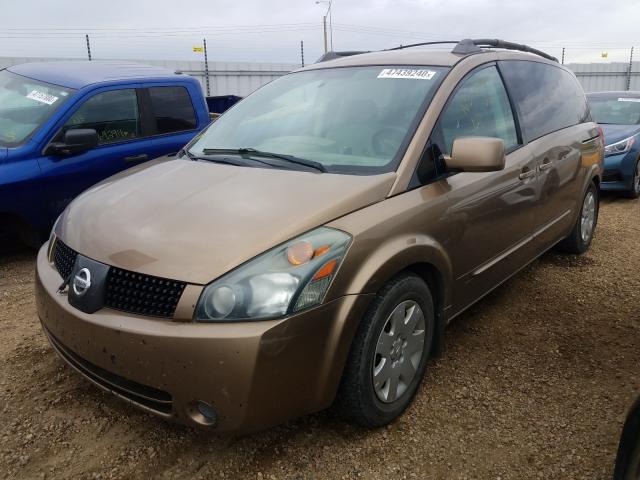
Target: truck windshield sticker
x,y
42,97
629,99
410,73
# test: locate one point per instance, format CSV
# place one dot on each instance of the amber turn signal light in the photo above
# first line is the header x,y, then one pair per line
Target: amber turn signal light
x,y
326,270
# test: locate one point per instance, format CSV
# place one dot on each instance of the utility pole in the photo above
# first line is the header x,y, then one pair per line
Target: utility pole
x,y
88,46
302,52
206,67
324,22
562,56
331,25
324,26
630,67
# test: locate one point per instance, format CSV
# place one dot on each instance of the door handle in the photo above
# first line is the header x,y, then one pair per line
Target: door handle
x,y
546,165
136,158
528,173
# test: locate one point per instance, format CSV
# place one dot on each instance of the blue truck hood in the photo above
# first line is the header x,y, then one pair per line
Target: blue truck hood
x,y
3,154
615,133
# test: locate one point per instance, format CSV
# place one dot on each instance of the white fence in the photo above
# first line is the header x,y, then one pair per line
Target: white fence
x,y
599,77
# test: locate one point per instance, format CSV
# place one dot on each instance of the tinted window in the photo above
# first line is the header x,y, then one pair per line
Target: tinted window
x,y
172,109
114,115
548,97
479,107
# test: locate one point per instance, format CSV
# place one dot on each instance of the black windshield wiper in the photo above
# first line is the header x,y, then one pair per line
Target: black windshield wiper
x,y
226,161
252,152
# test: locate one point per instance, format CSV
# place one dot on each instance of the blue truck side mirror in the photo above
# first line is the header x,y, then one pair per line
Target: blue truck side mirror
x,y
75,141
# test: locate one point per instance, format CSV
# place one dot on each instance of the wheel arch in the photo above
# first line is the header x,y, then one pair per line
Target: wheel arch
x,y
366,274
434,279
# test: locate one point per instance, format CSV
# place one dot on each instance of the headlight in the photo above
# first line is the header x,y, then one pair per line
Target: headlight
x,y
52,240
623,146
286,279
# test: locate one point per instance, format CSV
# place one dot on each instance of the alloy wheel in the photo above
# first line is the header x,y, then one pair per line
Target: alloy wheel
x,y
588,216
398,351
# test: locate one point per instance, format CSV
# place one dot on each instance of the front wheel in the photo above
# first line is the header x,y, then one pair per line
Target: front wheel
x,y
580,237
389,353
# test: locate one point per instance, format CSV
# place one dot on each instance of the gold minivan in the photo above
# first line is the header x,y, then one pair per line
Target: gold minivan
x,y
311,245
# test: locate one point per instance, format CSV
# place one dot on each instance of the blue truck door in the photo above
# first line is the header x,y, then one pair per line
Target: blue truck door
x,y
174,118
115,113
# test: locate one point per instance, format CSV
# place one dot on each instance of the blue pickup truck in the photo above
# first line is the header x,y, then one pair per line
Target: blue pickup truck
x,y
65,126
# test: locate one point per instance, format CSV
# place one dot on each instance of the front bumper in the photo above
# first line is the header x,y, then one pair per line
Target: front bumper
x,y
253,374
619,171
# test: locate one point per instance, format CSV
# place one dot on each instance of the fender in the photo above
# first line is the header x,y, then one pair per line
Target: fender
x,y
394,255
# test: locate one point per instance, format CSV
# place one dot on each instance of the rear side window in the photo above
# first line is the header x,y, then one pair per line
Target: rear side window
x,y
548,97
479,108
172,109
113,114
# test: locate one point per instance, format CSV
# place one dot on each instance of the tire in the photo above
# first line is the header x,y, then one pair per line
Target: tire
x,y
634,192
580,238
627,464
370,403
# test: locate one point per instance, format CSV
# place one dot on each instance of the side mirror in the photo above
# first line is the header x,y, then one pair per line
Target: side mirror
x,y
476,154
75,141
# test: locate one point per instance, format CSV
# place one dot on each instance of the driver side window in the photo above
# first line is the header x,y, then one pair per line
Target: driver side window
x,y
113,114
479,108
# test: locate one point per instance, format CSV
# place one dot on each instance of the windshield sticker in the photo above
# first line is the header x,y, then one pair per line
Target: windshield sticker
x,y
629,99
410,73
42,97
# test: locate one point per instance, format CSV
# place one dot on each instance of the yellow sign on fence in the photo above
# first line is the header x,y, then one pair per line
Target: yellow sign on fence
x,y
198,49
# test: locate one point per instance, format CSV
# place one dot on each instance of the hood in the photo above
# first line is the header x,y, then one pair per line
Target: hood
x,y
194,221
615,133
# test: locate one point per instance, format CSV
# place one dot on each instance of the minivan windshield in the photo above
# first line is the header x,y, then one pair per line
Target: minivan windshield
x,y
355,120
25,104
617,109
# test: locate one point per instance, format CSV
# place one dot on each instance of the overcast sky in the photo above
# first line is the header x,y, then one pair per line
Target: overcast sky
x,y
271,30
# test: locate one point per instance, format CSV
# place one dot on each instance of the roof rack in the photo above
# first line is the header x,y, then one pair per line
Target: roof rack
x,y
463,47
468,46
421,44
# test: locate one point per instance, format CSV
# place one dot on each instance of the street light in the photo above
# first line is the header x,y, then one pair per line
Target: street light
x,y
324,23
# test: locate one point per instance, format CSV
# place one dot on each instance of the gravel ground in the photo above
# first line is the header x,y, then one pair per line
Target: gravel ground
x,y
535,383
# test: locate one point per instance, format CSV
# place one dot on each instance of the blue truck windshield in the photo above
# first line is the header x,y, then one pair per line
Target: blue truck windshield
x,y
25,104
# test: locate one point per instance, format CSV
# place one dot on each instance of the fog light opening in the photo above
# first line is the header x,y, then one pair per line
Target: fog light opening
x,y
202,413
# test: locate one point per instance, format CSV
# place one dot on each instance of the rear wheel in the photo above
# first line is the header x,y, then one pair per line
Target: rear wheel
x,y
389,353
580,237
634,192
